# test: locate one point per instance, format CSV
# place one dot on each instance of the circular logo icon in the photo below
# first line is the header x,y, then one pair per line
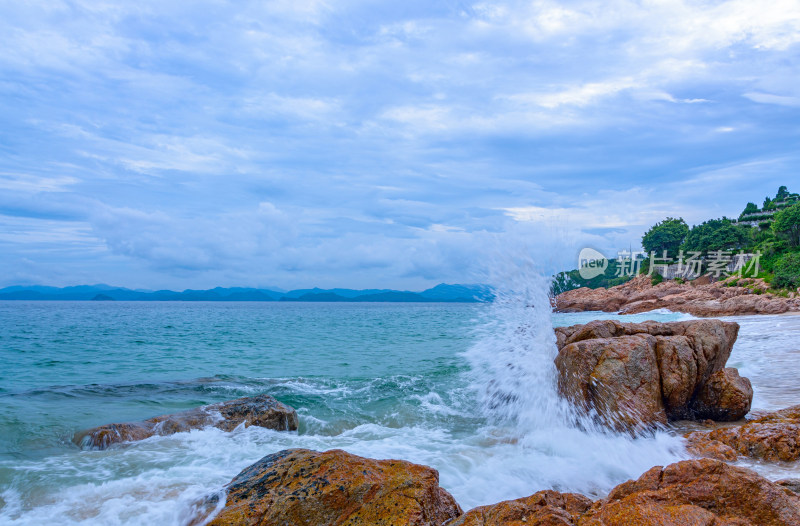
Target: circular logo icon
x,y
591,263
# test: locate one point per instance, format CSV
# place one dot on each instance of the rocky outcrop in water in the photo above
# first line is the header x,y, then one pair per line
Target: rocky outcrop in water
x,y
699,298
303,487
633,376
696,492
775,436
693,492
262,411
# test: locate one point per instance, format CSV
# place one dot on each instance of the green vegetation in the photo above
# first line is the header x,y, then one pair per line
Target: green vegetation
x,y
783,199
665,236
776,238
787,224
787,271
717,234
772,231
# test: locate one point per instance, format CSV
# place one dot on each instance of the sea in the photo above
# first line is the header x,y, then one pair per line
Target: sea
x,y
468,389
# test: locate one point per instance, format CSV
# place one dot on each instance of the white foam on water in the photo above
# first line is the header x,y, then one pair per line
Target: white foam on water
x,y
514,377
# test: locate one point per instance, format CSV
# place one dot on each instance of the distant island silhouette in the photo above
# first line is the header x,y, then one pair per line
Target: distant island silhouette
x,y
440,293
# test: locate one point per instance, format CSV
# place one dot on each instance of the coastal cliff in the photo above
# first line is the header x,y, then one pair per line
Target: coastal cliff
x,y
701,298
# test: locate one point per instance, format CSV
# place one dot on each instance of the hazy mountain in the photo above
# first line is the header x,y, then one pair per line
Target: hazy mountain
x,y
442,293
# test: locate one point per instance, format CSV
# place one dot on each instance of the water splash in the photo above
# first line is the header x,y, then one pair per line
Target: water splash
x,y
514,378
513,374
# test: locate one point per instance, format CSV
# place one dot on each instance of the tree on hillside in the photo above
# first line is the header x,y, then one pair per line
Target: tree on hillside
x,y
782,194
751,208
666,235
717,234
787,224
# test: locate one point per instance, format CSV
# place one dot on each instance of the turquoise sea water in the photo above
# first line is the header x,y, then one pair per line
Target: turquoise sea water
x,y
381,380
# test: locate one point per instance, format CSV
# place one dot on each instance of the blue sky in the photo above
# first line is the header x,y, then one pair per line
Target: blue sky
x,y
161,144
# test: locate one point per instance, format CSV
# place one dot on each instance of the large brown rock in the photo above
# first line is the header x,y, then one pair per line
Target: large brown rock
x,y
542,508
637,375
689,493
725,397
262,411
701,297
775,436
617,378
303,487
696,492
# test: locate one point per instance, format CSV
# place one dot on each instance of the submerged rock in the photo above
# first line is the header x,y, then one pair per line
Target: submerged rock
x,y
303,487
775,436
262,411
637,375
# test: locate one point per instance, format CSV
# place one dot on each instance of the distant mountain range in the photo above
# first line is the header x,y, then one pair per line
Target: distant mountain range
x,y
440,293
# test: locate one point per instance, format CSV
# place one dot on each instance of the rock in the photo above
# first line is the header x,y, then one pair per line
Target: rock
x,y
690,493
792,485
700,445
262,411
701,297
542,508
696,492
725,397
617,378
637,375
775,436
303,487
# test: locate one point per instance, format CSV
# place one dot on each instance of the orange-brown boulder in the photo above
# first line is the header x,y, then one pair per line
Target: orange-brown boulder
x,y
262,411
303,487
725,397
690,493
545,508
775,436
700,445
633,376
699,493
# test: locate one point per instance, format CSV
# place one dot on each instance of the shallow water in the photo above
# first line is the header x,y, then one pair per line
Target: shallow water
x,y
410,381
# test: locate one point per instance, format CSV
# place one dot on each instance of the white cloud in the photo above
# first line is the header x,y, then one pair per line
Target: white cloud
x,y
769,98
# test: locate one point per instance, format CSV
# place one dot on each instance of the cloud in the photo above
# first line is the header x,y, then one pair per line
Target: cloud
x,y
350,143
768,98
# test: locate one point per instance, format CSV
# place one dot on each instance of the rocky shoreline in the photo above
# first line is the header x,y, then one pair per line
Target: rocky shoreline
x,y
629,377
701,297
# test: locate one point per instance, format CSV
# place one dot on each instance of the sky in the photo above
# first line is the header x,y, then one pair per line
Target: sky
x,y
291,143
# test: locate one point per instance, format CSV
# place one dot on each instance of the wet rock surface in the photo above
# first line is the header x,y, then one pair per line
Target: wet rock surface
x,y
696,492
542,508
262,411
634,376
773,437
303,487
693,492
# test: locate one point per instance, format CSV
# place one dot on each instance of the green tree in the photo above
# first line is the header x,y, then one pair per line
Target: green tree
x,y
782,194
787,224
666,235
751,208
787,271
717,234
767,203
